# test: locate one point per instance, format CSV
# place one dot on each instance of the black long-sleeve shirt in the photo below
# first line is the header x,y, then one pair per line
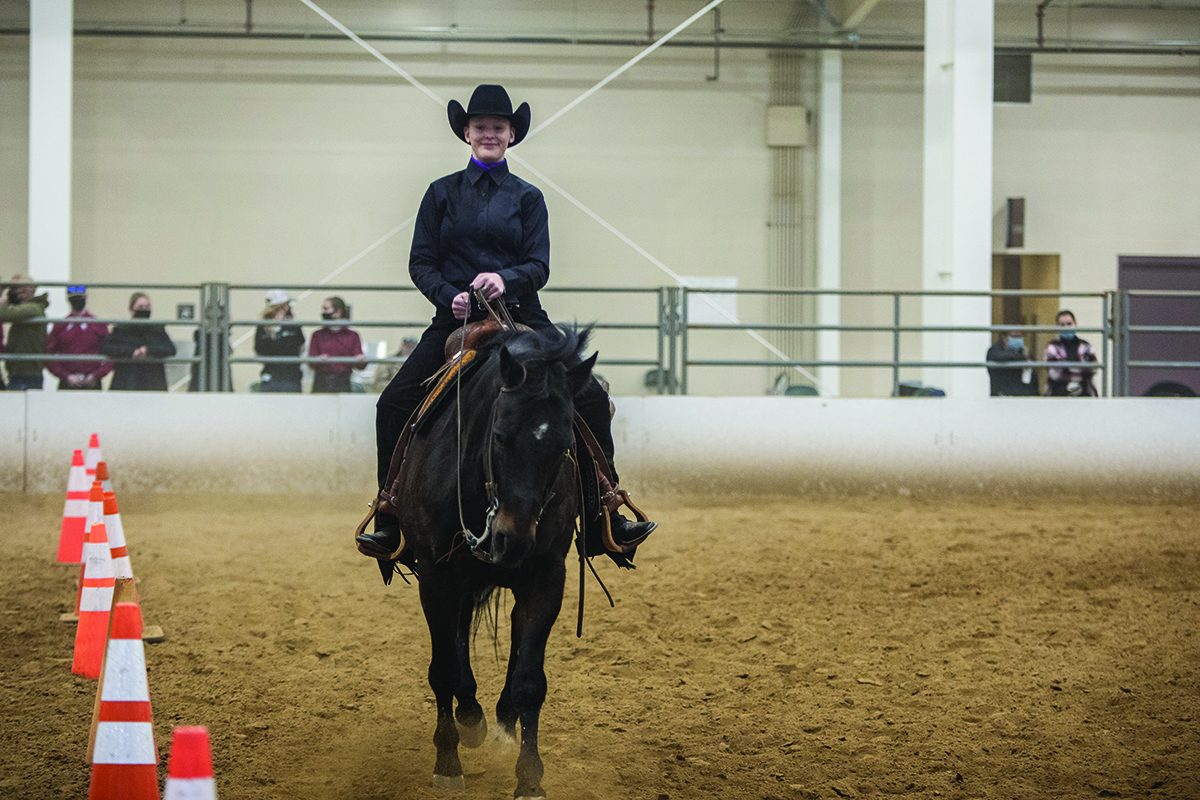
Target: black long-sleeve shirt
x,y
142,376
1006,382
476,221
279,340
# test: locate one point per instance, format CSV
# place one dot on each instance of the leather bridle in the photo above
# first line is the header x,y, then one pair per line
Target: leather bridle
x,y
480,546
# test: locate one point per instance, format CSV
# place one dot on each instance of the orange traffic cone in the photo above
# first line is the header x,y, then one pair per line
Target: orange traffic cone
x,y
70,541
189,767
93,457
102,475
123,754
95,605
95,513
126,589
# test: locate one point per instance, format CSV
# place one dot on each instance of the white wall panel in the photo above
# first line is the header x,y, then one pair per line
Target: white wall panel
x,y
325,445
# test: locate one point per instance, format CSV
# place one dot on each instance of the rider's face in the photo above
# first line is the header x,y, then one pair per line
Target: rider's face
x,y
489,138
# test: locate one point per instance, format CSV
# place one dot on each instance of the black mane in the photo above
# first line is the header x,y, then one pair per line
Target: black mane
x,y
539,349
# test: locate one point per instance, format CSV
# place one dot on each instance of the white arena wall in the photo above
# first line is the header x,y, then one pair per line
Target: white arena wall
x,y
238,443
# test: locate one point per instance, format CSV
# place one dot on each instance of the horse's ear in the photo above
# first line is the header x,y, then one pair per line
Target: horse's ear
x,y
512,373
580,374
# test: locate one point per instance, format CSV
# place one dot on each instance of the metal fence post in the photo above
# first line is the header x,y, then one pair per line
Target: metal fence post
x,y
1121,342
1106,316
213,342
673,377
683,339
896,345
225,376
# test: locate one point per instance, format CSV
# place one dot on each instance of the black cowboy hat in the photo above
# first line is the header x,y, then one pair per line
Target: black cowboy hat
x,y
489,100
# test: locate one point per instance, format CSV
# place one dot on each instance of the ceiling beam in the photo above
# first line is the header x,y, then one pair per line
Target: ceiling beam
x,y
859,14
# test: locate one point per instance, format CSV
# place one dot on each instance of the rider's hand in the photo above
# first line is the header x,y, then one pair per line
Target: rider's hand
x,y
490,283
461,305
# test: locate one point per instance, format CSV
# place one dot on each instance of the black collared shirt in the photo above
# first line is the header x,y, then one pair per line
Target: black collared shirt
x,y
477,221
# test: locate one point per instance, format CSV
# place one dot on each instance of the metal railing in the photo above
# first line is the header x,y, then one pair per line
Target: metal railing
x,y
671,364
897,328
1125,332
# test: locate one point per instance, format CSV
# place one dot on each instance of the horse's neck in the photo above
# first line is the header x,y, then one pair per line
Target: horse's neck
x,y
470,412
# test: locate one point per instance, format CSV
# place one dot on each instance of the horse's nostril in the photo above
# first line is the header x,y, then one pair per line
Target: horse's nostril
x,y
511,541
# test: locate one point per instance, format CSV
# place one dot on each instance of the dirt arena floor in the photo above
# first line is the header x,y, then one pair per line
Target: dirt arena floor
x,y
765,648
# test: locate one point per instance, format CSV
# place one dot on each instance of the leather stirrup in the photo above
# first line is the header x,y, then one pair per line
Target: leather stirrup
x,y
370,552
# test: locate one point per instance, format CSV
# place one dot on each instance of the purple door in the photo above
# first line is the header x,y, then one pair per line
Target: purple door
x,y
1151,272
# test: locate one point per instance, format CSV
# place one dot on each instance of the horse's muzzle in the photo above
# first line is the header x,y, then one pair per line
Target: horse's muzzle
x,y
508,541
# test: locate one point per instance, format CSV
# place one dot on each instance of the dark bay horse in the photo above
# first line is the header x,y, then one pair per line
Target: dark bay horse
x,y
491,497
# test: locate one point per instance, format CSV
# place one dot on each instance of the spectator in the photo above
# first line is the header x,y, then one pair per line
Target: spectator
x,y
278,339
335,341
1010,381
385,372
1069,381
74,335
24,337
139,350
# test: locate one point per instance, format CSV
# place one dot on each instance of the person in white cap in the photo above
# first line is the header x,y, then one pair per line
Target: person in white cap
x,y
278,339
484,229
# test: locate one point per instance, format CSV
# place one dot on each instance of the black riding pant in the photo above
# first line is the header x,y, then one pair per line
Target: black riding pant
x,y
400,399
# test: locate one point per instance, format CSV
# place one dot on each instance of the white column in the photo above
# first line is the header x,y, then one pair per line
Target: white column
x,y
957,226
50,91
829,216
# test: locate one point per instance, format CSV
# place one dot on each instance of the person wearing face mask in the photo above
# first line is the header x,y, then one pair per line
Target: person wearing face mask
x,y
75,335
277,339
138,349
24,337
479,229
1074,381
334,341
1012,381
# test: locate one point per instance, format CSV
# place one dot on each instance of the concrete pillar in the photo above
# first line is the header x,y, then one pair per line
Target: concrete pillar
x,y
829,216
50,92
957,233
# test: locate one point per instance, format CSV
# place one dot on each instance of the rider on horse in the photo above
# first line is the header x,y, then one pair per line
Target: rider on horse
x,y
480,229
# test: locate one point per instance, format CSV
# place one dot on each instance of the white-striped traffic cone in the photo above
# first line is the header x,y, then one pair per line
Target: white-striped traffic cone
x,y
70,541
189,767
95,605
95,514
123,754
93,457
126,584
122,568
102,475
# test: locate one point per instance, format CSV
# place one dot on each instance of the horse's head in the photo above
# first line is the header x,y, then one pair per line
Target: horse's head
x,y
539,375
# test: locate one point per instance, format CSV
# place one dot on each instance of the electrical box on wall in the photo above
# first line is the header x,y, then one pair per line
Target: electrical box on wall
x,y
787,126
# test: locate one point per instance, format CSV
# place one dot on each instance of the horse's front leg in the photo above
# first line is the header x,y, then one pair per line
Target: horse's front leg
x,y
535,608
472,727
442,609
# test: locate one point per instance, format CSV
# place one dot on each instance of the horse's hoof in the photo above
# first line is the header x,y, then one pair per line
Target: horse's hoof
x,y
526,797
448,783
472,736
